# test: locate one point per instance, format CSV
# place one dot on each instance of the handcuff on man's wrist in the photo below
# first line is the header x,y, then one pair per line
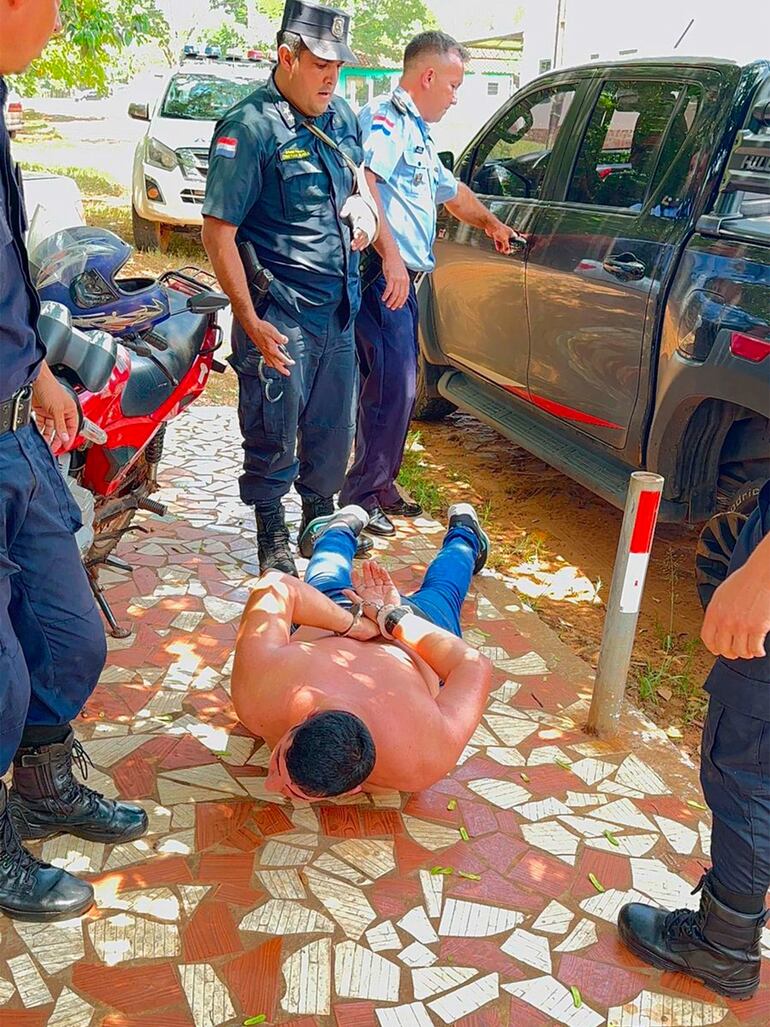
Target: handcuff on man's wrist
x,y
389,616
355,611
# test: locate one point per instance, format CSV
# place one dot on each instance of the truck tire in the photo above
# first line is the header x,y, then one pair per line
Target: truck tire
x,y
149,235
428,405
718,537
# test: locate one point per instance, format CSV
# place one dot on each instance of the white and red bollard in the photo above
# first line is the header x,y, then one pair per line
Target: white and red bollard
x,y
625,598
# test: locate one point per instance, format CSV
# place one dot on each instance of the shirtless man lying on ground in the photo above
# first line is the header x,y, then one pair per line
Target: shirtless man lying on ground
x,y
384,694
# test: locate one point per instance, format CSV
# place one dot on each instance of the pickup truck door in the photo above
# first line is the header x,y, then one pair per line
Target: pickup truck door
x,y
599,256
480,302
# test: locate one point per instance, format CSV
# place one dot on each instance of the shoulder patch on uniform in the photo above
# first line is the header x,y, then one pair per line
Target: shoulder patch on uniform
x,y
295,154
227,146
382,123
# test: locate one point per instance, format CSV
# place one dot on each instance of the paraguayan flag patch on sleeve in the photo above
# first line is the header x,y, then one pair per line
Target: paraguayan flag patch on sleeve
x,y
226,147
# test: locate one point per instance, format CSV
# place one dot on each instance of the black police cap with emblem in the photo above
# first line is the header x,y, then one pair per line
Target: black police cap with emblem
x,y
323,30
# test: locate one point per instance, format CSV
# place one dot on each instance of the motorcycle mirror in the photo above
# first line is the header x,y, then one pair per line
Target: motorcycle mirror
x,y
207,303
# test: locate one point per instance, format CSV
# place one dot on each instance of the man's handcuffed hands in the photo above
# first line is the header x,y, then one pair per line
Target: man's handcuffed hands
x,y
373,588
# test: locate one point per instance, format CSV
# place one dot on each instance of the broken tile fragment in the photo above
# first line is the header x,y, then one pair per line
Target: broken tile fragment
x,y
651,1010
347,904
412,1015
417,954
583,935
372,858
552,838
29,983
123,937
634,773
528,948
383,937
461,919
467,999
281,916
503,794
430,836
416,923
207,996
428,981
307,974
555,919
359,973
432,889
551,998
681,838
71,1011
282,884
56,945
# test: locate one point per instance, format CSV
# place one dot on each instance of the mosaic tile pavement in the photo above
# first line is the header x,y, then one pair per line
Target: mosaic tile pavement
x,y
237,908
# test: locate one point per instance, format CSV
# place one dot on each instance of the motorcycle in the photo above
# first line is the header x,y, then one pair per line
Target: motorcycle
x,y
127,390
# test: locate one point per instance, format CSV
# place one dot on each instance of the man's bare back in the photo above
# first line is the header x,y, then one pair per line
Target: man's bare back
x,y
392,685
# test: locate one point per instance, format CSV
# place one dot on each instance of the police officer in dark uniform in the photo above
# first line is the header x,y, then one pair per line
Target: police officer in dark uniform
x,y
280,174
720,943
52,646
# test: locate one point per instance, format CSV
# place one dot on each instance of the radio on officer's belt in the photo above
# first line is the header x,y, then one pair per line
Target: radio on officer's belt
x,y
258,278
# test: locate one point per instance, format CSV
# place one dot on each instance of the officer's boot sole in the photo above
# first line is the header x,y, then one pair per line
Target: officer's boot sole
x,y
47,918
738,991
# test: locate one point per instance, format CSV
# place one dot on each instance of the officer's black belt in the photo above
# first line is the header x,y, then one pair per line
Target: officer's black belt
x,y
16,412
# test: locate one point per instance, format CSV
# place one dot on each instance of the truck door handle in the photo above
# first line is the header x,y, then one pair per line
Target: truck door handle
x,y
625,266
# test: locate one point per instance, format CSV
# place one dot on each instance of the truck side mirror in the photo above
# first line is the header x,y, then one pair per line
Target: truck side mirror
x,y
139,111
447,158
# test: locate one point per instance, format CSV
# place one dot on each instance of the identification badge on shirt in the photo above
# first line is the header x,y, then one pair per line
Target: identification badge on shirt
x,y
419,178
295,154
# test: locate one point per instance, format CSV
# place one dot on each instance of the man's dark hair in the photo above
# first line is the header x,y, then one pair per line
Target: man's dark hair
x,y
330,754
438,43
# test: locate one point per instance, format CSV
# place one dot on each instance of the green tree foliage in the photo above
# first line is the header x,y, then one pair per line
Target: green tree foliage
x,y
94,33
382,28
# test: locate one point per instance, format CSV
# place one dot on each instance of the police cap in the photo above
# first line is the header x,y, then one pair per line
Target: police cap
x,y
323,30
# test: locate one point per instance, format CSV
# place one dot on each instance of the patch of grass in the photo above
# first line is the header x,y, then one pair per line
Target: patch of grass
x,y
672,676
416,480
90,181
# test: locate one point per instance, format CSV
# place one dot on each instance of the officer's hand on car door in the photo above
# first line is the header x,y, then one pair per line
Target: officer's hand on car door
x,y
501,236
396,281
272,345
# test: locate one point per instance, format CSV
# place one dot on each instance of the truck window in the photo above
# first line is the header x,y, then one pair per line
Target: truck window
x,y
636,137
513,157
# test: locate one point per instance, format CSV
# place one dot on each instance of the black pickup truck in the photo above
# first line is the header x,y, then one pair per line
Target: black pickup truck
x,y
631,326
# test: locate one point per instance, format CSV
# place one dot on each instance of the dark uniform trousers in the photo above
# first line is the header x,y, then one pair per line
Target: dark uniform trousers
x,y
52,645
296,430
386,341
735,754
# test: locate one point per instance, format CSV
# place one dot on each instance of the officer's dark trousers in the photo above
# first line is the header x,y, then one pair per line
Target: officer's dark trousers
x,y
52,645
305,435
386,341
735,754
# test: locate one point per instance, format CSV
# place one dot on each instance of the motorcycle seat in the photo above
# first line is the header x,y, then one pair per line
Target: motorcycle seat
x,y
84,359
183,333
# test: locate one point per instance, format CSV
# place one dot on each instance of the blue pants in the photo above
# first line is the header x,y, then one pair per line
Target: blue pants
x,y
440,597
52,645
386,341
735,752
306,434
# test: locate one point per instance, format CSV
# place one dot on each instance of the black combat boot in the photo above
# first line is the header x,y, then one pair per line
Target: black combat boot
x,y
312,510
714,944
47,799
273,540
30,889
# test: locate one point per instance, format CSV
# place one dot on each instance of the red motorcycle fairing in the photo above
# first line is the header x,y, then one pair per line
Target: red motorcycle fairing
x,y
107,467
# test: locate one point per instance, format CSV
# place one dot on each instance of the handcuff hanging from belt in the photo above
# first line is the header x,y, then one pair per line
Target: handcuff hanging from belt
x,y
259,279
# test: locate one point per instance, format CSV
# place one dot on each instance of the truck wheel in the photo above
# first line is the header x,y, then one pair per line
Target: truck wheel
x,y
150,235
718,537
428,405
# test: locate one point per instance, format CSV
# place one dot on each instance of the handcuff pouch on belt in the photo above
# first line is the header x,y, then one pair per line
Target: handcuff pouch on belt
x,y
259,280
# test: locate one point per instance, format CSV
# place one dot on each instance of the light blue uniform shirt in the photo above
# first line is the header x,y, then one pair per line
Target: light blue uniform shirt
x,y
399,149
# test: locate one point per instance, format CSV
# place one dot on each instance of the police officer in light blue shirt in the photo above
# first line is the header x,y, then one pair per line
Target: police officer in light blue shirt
x,y
404,168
